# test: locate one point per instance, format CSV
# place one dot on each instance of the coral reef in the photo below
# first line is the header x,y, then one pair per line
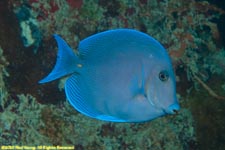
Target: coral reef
x,y
192,31
20,122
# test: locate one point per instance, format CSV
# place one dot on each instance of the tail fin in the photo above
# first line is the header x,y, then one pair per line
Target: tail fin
x,y
66,61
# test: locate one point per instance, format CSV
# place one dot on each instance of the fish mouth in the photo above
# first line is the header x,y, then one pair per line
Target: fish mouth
x,y
173,109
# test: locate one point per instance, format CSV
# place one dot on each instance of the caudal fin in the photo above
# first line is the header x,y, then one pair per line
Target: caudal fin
x,y
66,61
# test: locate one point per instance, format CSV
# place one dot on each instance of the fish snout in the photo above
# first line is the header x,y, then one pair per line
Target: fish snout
x,y
173,109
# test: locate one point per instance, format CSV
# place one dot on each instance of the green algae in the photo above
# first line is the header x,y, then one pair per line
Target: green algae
x,y
215,62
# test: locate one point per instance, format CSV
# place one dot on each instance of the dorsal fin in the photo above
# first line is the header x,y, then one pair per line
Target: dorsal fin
x,y
101,43
66,62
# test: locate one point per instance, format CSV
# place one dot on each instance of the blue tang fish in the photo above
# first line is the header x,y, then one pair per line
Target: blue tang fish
x,y
120,75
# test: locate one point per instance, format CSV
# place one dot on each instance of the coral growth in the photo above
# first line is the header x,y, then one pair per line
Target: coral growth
x,y
20,121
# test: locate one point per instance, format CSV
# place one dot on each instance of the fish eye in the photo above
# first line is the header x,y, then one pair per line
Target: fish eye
x,y
164,75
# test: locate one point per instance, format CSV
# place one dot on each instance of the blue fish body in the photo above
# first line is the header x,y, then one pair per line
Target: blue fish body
x,y
120,75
